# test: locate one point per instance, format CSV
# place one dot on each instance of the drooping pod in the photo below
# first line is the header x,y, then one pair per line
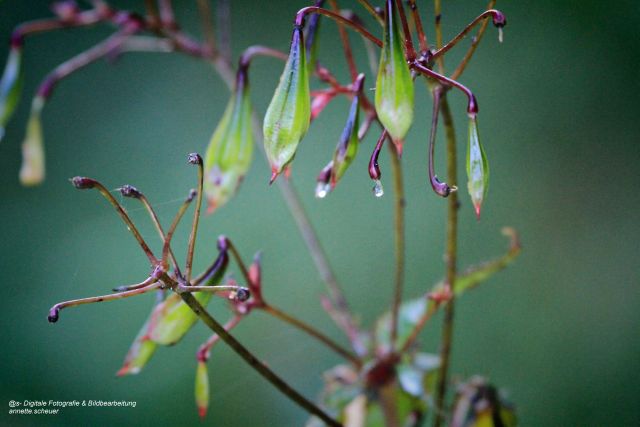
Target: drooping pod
x,y
139,353
477,167
394,85
287,118
348,143
32,170
10,87
230,151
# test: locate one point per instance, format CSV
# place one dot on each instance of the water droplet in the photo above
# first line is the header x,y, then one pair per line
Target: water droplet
x,y
322,189
378,191
500,35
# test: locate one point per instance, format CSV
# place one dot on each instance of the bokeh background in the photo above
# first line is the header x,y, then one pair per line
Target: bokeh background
x,y
559,329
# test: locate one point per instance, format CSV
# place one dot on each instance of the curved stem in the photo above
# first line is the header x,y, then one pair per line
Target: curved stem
x,y
174,224
398,193
474,44
257,50
194,159
310,330
372,11
253,361
313,9
498,18
440,188
472,106
451,258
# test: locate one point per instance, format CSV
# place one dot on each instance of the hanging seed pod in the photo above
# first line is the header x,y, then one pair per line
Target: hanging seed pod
x,y
32,170
394,86
139,353
230,150
202,388
311,39
287,118
10,87
348,144
477,167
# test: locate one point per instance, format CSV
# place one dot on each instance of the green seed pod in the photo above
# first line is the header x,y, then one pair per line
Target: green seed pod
x,y
348,143
477,167
230,151
394,85
32,170
202,388
287,118
139,353
10,87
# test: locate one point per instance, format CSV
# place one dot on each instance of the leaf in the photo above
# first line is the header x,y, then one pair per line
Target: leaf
x,y
230,150
477,168
394,85
287,118
32,170
10,87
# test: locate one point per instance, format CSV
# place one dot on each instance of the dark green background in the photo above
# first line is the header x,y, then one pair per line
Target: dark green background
x,y
559,120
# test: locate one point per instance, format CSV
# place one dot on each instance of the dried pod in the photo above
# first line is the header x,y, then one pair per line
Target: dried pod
x,y
10,87
32,170
230,150
394,86
477,167
287,118
202,388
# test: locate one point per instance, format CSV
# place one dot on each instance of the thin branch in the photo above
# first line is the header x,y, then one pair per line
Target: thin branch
x,y
410,51
422,37
399,233
167,17
439,187
83,183
204,351
474,44
223,20
311,331
437,11
174,224
359,28
372,11
472,106
346,45
194,159
83,19
55,310
206,22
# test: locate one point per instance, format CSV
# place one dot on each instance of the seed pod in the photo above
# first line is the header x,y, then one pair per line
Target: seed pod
x,y
287,118
139,353
477,167
348,143
394,86
10,87
202,388
230,150
311,37
32,170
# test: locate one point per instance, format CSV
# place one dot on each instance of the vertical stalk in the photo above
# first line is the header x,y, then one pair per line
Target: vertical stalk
x,y
450,257
398,194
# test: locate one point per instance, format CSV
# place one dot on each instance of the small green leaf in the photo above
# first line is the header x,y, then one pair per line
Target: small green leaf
x,y
202,388
230,150
394,85
32,170
477,168
139,353
287,118
10,87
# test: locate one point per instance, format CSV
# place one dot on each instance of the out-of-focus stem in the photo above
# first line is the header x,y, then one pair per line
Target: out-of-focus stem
x,y
346,46
206,22
451,258
437,11
311,331
398,194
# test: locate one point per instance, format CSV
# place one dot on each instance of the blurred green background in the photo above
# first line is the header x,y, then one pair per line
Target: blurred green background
x,y
559,329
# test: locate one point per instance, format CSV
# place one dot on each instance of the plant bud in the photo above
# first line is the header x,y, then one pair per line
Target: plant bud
x,y
348,144
477,167
10,87
230,151
139,353
202,388
394,86
32,170
287,118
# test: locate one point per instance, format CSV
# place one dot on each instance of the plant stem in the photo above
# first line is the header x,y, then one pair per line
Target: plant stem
x,y
441,51
285,317
206,22
339,18
346,46
437,11
474,44
398,194
252,361
450,257
372,11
